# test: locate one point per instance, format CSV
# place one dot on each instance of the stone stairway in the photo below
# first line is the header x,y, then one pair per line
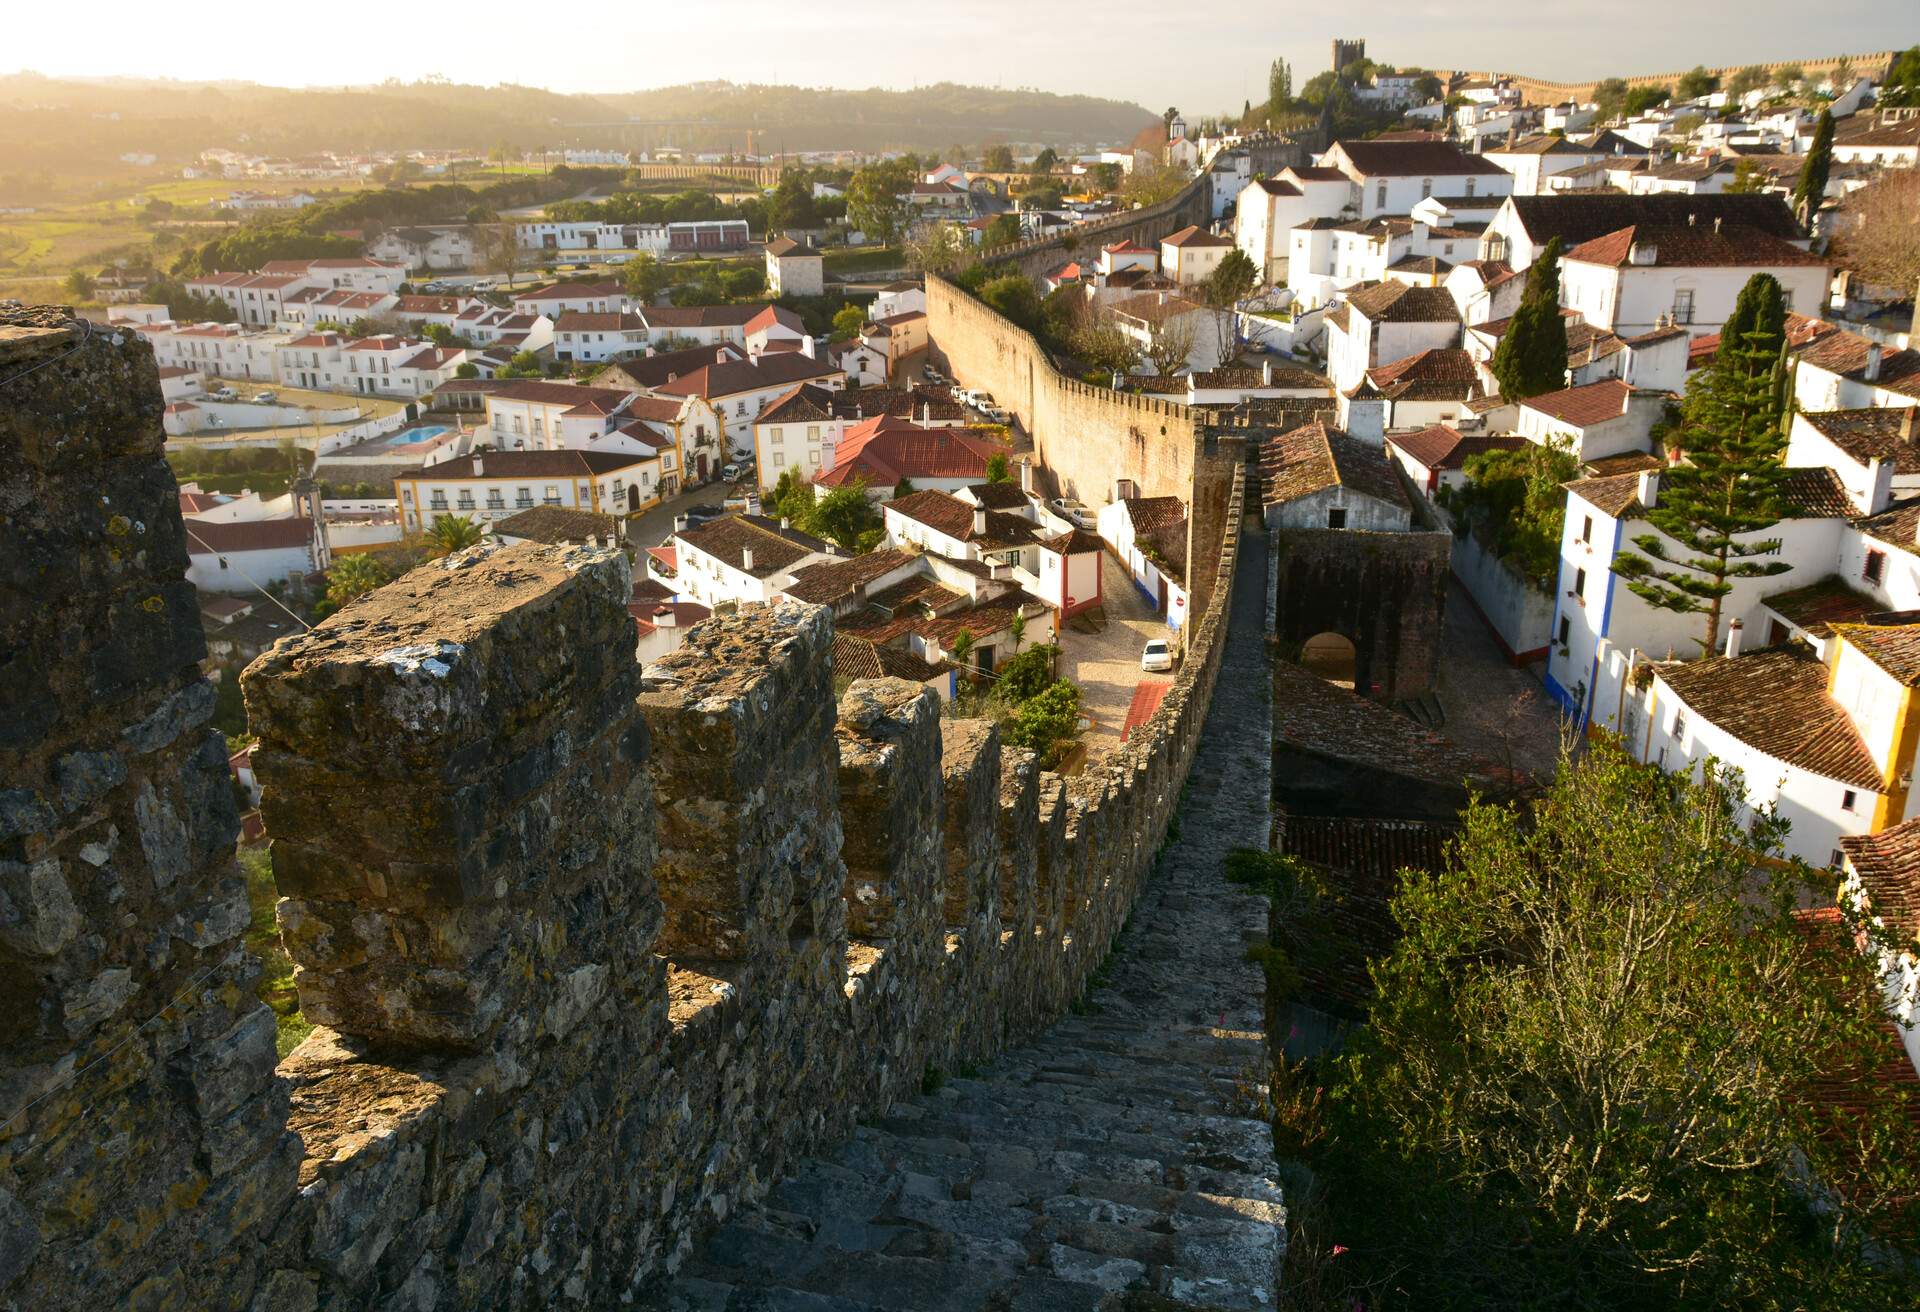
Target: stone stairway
x,y
1118,1161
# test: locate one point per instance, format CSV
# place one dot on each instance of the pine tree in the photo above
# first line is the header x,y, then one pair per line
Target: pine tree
x,y
1811,189
1731,484
1532,355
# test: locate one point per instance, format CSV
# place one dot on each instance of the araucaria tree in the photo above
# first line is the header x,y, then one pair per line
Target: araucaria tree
x,y
1610,1065
1811,188
1731,487
1532,355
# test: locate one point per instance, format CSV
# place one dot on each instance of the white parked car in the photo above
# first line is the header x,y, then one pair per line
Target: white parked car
x,y
1072,511
263,398
1156,655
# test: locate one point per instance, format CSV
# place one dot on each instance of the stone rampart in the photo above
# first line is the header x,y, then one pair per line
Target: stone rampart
x,y
594,960
1090,437
1384,592
1540,91
1034,256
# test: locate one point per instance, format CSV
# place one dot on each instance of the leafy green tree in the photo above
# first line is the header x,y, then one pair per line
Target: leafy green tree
x,y
1609,98
792,205
1013,296
1697,82
1751,78
1811,189
1902,87
1279,87
1585,1079
904,488
1047,720
844,515
466,369
451,533
354,576
1513,503
1532,355
997,471
522,364
1045,162
847,321
1004,230
1731,486
1105,177
1789,76
1028,673
876,203
78,285
997,159
1749,179
644,278
1232,280
1641,99
960,647
791,499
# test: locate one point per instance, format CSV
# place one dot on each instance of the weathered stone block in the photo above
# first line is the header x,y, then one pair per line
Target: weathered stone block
x,y
890,804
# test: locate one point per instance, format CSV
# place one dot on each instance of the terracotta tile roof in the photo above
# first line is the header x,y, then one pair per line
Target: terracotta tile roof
x,y
954,518
1846,354
1278,187
1406,159
776,316
1194,235
1074,542
1801,331
1888,864
1627,462
1425,264
1151,514
1873,434
1581,217
1820,605
998,496
1362,858
580,321
883,450
1315,457
1399,302
558,524
1318,173
1817,494
1441,447
1613,494
834,580
1775,701
570,291
982,620
1694,246
856,657
1585,405
1890,640
1438,374
774,548
1311,715
782,246
208,536
700,316
500,465
545,393
718,380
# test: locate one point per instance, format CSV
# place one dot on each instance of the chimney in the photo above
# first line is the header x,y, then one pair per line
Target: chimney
x,y
1734,632
1872,372
478,468
1906,423
926,414
1693,220
784,524
746,559
1266,373
1716,225
1647,490
980,519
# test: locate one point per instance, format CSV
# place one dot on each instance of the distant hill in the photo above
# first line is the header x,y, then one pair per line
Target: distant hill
x,y
74,126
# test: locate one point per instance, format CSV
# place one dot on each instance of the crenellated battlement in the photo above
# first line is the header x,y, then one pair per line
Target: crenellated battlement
x,y
594,958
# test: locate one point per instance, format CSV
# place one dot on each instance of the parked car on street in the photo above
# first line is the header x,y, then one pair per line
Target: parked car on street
x,y
264,398
1157,655
1072,511
731,472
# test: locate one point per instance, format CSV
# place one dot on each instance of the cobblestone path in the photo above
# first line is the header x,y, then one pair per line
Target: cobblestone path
x,y
1116,1158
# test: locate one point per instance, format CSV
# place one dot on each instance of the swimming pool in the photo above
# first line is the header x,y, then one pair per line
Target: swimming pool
x,y
414,436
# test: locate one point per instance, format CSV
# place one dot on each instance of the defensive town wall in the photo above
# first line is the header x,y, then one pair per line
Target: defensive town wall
x,y
1384,592
1538,91
1192,204
593,959
1089,437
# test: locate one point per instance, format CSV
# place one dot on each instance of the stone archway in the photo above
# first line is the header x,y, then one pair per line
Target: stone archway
x,y
1332,656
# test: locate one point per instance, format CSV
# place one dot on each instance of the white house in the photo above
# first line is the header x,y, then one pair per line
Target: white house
x,y
1436,456
244,556
1436,386
1594,420
1388,322
1319,477
1531,160
1875,452
1645,276
1845,371
584,338
1192,254
494,485
1882,872
1152,316
794,268
1391,177
1523,225
1269,209
884,451
801,430
743,559
738,390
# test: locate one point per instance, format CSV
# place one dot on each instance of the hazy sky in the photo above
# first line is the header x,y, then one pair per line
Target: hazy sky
x,y
1203,55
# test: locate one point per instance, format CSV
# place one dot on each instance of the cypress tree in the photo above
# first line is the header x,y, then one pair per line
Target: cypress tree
x,y
1811,189
1731,484
1532,355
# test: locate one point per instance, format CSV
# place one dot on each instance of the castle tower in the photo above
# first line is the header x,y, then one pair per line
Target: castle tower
x,y
1345,52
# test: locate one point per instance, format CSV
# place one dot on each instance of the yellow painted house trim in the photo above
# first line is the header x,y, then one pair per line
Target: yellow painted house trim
x,y
1893,801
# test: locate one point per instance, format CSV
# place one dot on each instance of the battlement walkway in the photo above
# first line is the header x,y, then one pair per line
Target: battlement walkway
x,y
1120,1155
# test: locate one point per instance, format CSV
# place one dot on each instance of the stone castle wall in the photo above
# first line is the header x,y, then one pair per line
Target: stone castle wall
x,y
1539,91
1089,437
1384,592
1035,256
593,960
